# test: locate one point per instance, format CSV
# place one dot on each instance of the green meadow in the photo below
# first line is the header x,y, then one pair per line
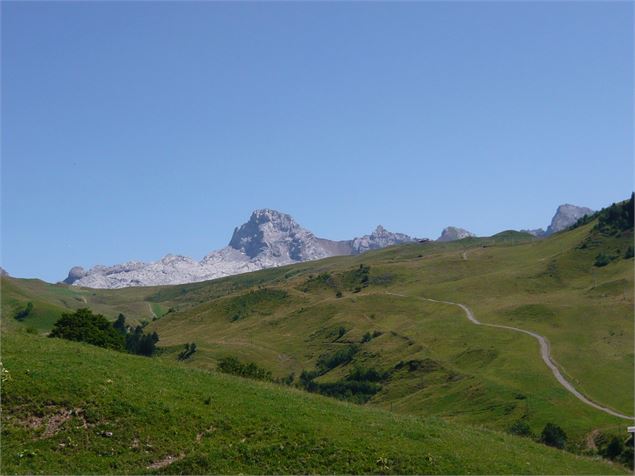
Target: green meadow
x,y
434,392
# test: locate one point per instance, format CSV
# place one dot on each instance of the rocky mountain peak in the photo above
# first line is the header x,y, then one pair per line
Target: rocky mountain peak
x,y
268,239
380,238
452,233
566,215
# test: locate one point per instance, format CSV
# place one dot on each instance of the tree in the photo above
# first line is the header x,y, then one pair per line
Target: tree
x,y
26,312
614,448
84,326
188,351
120,324
553,435
520,428
142,344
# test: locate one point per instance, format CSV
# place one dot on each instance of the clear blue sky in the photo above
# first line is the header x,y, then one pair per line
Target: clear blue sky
x,y
131,130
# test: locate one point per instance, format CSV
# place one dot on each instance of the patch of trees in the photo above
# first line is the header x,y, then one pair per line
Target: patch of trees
x,y
95,329
621,450
189,350
321,280
611,220
136,341
359,386
602,259
370,336
357,279
84,326
616,218
24,313
343,356
231,365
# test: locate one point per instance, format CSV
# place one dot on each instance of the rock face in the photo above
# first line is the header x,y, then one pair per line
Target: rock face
x,y
566,215
380,238
452,233
268,239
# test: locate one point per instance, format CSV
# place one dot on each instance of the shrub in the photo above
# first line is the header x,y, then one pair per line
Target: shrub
x,y
84,326
553,435
602,259
141,344
189,350
341,357
614,448
520,428
24,313
231,365
629,253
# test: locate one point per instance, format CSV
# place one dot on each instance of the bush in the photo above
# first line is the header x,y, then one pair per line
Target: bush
x,y
231,365
614,448
602,259
629,253
141,344
553,435
84,326
520,428
189,350
341,357
24,313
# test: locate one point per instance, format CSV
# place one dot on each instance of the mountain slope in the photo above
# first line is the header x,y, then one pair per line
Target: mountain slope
x,y
138,415
286,319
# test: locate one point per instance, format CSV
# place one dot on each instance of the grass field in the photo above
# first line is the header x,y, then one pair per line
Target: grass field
x,y
74,408
437,363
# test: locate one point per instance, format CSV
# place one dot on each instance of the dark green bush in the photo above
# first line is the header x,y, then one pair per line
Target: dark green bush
x,y
553,435
84,326
520,428
24,313
231,365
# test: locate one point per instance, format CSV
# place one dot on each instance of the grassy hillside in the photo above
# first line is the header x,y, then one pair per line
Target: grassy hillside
x,y
432,360
70,407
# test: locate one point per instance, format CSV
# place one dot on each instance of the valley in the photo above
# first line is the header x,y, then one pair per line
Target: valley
x,y
433,330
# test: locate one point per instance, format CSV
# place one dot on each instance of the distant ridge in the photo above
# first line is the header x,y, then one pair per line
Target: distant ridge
x,y
268,239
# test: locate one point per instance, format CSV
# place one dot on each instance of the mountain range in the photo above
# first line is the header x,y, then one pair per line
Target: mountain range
x,y
268,239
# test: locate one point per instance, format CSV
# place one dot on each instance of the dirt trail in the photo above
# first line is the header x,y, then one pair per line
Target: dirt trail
x,y
545,353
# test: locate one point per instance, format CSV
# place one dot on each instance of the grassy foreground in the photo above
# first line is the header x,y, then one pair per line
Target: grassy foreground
x,y
70,407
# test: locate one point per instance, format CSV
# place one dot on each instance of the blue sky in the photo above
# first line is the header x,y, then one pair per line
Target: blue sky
x,y
131,130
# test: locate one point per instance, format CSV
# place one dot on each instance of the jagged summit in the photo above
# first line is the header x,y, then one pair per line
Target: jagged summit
x,y
452,233
277,235
380,238
566,215
269,238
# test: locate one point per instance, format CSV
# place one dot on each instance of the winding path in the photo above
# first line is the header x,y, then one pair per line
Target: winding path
x,y
545,353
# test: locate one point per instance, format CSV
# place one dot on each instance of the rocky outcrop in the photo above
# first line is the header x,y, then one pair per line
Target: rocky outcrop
x,y
566,215
380,238
452,233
